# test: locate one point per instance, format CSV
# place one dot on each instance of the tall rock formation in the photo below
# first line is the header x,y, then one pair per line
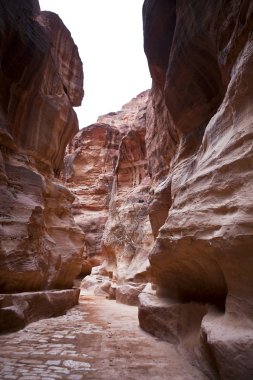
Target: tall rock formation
x,y
41,80
128,236
199,151
106,169
88,172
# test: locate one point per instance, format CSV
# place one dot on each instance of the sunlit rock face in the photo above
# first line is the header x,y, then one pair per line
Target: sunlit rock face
x,y
199,150
41,80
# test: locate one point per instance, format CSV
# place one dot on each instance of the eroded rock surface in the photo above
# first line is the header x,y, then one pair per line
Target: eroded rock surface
x,y
21,308
88,172
200,56
41,80
128,236
106,169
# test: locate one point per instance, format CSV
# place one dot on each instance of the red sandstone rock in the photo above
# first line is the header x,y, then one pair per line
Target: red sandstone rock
x,y
105,167
200,56
127,236
41,79
89,166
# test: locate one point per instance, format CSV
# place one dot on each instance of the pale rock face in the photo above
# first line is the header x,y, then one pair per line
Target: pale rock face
x,y
21,308
201,57
40,244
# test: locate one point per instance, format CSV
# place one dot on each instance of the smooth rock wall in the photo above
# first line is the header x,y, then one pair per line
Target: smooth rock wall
x,y
41,80
200,56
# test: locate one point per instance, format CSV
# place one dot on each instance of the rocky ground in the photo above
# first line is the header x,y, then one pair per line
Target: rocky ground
x,y
98,339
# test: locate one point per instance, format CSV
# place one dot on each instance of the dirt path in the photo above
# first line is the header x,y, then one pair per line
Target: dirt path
x,y
96,340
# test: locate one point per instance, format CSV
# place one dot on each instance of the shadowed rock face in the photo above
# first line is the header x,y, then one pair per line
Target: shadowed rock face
x,y
41,80
200,56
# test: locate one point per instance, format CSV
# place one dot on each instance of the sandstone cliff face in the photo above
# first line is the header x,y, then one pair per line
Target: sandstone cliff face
x,y
128,236
106,169
41,80
200,56
88,172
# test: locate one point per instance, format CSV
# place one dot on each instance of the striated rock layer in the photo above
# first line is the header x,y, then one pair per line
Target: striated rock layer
x,y
106,169
128,236
88,172
199,151
41,80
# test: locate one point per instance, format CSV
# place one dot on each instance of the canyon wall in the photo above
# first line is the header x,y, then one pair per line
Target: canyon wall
x,y
41,80
128,236
88,172
200,156
106,169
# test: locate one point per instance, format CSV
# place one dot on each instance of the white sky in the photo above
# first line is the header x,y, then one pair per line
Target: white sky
x,y
109,37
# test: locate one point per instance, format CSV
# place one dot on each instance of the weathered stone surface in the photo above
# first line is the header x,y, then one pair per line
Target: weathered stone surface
x,y
231,336
41,80
88,172
128,294
96,284
128,236
17,310
169,319
106,169
200,57
40,244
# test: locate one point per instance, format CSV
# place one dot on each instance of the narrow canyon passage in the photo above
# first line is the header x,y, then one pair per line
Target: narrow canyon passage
x,y
150,205
98,339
